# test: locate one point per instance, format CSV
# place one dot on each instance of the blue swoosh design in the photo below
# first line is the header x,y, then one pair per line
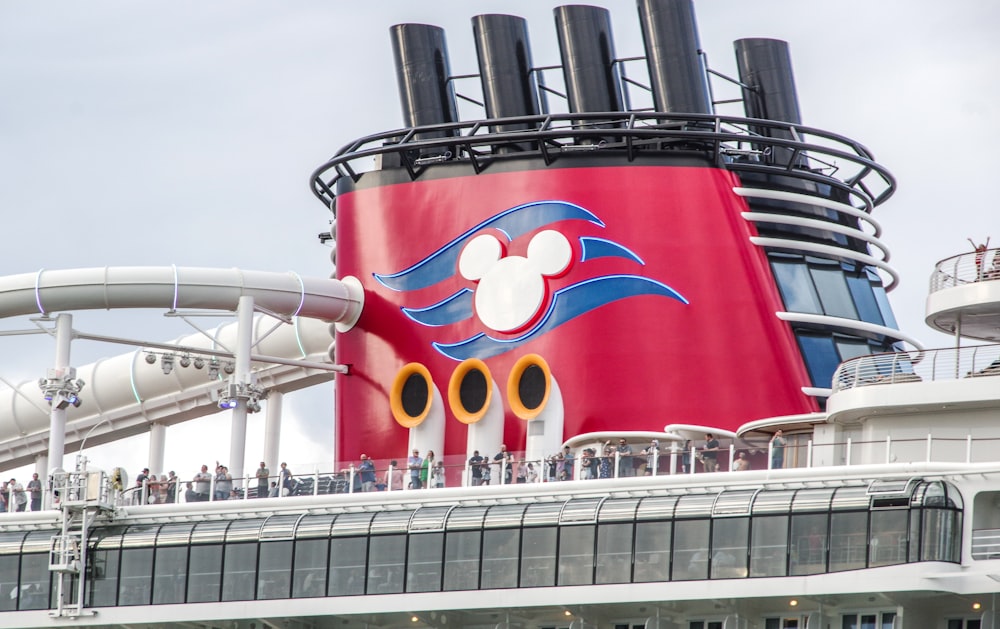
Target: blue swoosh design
x,y
449,310
514,222
602,248
567,303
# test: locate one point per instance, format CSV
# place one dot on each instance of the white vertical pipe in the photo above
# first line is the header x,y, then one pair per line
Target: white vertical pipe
x,y
157,444
272,428
847,454
928,447
244,338
57,417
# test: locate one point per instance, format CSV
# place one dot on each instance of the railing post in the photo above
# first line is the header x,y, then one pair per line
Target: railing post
x,y
693,457
847,453
770,453
673,457
968,448
316,480
211,488
656,460
389,477
809,453
732,455
618,456
928,447
246,488
888,448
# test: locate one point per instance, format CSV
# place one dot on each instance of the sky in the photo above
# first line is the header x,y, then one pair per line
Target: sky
x,y
181,132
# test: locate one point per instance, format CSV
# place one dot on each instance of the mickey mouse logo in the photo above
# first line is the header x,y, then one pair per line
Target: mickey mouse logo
x,y
511,290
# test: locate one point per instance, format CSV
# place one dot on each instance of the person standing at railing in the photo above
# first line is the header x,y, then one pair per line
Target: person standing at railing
x,y
35,490
394,476
203,484
425,469
367,471
414,463
777,451
263,474
980,256
17,495
710,453
437,475
475,469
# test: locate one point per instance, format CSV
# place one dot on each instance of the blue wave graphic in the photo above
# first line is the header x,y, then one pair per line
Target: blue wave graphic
x,y
514,222
602,248
567,303
450,310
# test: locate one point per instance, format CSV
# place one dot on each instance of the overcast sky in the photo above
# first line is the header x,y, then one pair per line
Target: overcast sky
x,y
182,132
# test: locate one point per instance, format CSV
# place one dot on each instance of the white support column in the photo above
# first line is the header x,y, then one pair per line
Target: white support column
x,y
41,465
244,342
272,429
157,444
57,417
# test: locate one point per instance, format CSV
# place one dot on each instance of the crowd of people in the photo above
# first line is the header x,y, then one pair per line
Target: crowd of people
x,y
608,460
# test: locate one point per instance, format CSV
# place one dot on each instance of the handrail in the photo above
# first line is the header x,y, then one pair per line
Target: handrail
x,y
966,268
931,365
742,144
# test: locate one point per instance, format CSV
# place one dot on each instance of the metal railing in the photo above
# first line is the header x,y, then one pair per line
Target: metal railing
x,y
735,143
967,268
918,366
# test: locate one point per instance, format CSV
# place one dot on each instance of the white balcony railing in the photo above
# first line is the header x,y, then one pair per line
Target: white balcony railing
x,y
967,268
918,366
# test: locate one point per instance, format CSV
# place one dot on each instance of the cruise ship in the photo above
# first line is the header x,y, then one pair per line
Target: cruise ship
x,y
651,346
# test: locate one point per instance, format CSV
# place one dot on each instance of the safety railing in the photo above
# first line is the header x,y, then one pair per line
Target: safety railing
x,y
743,144
918,366
967,268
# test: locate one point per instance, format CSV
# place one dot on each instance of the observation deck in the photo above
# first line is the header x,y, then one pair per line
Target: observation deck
x,y
964,297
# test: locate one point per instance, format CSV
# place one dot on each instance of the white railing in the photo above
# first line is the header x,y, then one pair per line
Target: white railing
x,y
918,366
967,268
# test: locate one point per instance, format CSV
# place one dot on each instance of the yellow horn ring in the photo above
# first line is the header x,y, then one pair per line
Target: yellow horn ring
x,y
403,418
513,388
455,390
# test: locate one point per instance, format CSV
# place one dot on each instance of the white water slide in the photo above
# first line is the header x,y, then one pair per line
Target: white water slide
x,y
124,394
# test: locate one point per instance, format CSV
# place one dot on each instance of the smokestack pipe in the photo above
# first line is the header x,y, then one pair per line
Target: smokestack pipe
x,y
677,72
765,65
505,71
422,71
587,50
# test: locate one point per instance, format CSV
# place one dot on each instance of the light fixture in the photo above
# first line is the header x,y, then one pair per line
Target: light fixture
x,y
568,613
793,602
213,369
185,361
167,363
229,368
414,619
199,362
150,358
225,403
977,606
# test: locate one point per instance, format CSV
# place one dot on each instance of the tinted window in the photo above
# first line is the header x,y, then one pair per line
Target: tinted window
x,y
538,557
500,553
796,287
652,551
729,547
169,575
614,553
310,568
135,584
386,556
205,578
275,571
461,560
808,544
347,565
104,580
768,551
239,576
424,562
691,549
833,292
848,540
821,357
576,555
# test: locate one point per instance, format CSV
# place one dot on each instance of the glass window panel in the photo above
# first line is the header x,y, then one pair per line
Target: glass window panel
x,y
169,573
808,543
576,555
652,551
868,621
423,562
864,298
239,575
821,357
796,287
136,580
848,540
888,537
500,556
941,535
104,580
538,557
310,563
729,547
888,620
883,305
274,574
347,565
461,560
614,553
8,581
833,292
34,589
851,348
205,576
691,549
849,622
769,548
386,559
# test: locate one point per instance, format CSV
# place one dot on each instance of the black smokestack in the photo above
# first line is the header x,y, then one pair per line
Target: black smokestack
x,y
422,72
676,68
587,50
765,67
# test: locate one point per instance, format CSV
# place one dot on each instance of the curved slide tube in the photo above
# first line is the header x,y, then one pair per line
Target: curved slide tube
x,y
126,393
